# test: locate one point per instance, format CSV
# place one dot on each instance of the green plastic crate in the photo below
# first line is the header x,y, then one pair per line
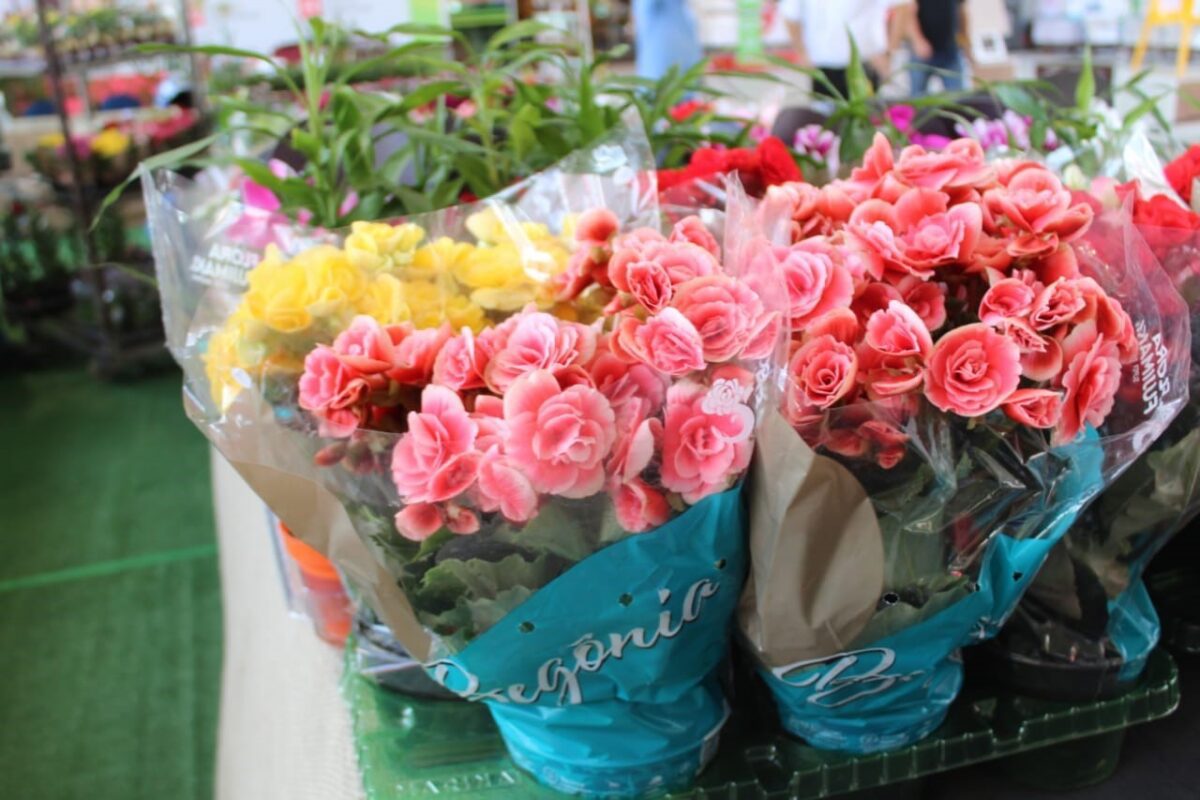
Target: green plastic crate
x,y
413,747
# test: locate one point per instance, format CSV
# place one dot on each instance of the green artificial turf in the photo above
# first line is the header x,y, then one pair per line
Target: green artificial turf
x,y
110,629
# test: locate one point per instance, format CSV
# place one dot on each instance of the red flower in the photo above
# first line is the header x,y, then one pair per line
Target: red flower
x,y
769,164
1181,172
688,109
777,164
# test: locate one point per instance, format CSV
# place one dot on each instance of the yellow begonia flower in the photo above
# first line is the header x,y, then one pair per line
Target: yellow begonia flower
x,y
492,267
384,300
503,299
51,141
278,296
462,313
375,246
220,361
488,227
441,256
334,284
110,143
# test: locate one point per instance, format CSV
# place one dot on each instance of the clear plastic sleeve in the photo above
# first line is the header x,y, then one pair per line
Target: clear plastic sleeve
x,y
965,508
1088,607
525,422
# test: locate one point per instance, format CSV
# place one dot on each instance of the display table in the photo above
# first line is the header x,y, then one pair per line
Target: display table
x,y
285,731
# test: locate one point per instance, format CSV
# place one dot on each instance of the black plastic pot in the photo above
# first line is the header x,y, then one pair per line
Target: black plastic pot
x,y
1037,685
381,659
1036,676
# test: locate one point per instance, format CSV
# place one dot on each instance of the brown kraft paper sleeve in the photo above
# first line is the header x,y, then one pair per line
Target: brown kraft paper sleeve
x,y
316,517
816,553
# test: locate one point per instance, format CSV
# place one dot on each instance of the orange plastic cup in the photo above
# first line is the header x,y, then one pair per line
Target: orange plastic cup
x,y
328,604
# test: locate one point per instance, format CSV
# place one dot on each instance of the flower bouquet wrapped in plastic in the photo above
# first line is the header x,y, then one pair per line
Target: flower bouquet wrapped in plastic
x,y
550,497
1087,625
967,369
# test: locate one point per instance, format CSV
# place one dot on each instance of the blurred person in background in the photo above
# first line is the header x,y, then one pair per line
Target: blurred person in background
x,y
821,29
937,30
664,37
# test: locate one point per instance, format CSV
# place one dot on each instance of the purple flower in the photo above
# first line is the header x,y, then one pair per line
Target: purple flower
x,y
1018,128
902,117
990,133
930,141
815,141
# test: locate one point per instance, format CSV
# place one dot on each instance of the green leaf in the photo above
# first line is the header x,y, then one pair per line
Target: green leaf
x,y
858,85
1085,89
307,144
171,159
526,29
1020,100
474,171
414,202
428,92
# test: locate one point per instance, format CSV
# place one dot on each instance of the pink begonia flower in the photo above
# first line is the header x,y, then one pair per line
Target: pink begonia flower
x,y
419,521
693,231
972,370
333,392
962,163
706,442
684,261
1090,381
1056,304
559,437
638,436
877,163
505,488
639,507
917,234
1062,263
365,346
821,372
457,363
1041,356
1037,408
461,520
1035,201
726,312
650,284
1006,299
669,343
596,228
436,460
889,442
816,278
538,341
872,297
627,248
841,323
622,382
415,351
898,331
926,298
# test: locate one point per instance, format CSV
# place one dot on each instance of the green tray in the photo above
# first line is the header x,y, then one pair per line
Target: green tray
x,y
413,747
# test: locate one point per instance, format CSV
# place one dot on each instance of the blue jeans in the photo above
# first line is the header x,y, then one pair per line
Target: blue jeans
x,y
952,76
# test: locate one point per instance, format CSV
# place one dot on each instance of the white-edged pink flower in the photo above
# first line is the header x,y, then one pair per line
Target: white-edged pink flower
x,y
559,437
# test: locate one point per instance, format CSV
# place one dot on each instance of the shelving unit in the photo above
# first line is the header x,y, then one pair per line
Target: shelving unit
x,y
111,350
